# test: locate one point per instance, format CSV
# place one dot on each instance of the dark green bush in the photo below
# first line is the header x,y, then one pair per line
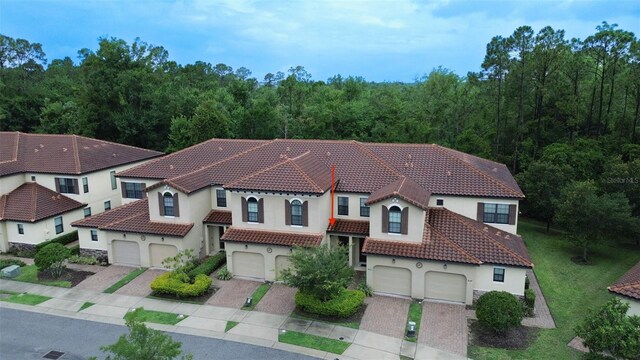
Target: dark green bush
x,y
8,262
499,311
51,258
344,305
179,284
527,282
208,266
529,302
75,250
63,239
366,289
224,274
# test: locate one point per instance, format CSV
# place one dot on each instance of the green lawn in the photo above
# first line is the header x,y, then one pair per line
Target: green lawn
x,y
415,314
24,298
158,317
313,342
29,274
570,289
86,305
260,292
124,281
230,325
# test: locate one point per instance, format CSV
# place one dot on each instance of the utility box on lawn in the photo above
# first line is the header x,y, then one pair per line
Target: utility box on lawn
x,y
10,271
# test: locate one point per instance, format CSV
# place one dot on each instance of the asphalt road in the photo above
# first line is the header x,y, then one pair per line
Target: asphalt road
x,y
28,335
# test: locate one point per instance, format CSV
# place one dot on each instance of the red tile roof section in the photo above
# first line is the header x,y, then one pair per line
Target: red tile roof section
x,y
351,227
218,217
405,189
31,202
63,154
134,218
272,237
629,284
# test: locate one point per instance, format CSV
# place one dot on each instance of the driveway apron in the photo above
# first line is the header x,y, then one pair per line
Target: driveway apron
x,y
444,327
386,315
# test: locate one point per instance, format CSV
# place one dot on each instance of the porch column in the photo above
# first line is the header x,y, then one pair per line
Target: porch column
x,y
350,251
206,240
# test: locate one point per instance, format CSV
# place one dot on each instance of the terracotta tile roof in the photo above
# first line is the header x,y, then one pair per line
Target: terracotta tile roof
x,y
352,227
31,202
63,154
405,189
303,174
628,284
218,217
272,237
134,218
452,237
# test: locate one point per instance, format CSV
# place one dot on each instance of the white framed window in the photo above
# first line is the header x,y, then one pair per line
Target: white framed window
x,y
440,202
395,220
221,198
87,212
364,209
133,190
498,274
58,224
107,205
252,210
21,229
296,212
168,204
85,184
66,186
114,182
343,205
496,213
94,235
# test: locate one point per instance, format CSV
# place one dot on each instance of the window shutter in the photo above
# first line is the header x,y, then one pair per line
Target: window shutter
x,y
57,180
480,214
385,219
123,185
244,209
404,221
305,213
176,205
261,211
161,203
512,214
287,212
76,189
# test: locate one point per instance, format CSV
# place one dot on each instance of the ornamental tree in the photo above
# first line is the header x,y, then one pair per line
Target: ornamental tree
x,y
51,258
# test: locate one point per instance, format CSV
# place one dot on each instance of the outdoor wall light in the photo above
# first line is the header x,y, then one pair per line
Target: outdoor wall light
x,y
444,266
393,261
246,246
162,238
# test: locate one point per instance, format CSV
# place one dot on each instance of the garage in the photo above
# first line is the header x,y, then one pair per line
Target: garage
x,y
126,252
248,264
159,252
282,262
445,286
392,280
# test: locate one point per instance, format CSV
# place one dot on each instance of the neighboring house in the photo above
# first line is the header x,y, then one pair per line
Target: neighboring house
x,y
421,220
49,181
627,288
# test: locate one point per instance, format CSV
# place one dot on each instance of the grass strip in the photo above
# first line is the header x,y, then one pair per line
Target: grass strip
x,y
158,317
86,305
260,292
313,342
230,325
124,281
23,298
415,314
29,274
298,314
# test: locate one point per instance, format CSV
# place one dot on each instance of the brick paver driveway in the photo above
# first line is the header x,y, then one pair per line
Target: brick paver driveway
x,y
141,286
278,300
385,315
232,293
444,327
105,278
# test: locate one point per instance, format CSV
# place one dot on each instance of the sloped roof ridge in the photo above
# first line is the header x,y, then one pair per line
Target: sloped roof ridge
x,y
303,173
76,156
624,285
457,247
119,209
15,153
377,158
464,221
34,203
476,170
3,203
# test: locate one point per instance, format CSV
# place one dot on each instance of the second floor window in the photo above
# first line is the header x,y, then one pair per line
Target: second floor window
x,y
94,235
343,205
67,186
395,220
296,212
364,209
107,205
496,213
252,210
58,224
168,204
133,190
85,184
221,198
87,212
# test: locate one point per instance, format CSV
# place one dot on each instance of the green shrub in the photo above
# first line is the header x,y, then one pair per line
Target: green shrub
x,y
8,262
366,289
224,274
527,282
178,284
182,262
75,250
529,302
208,266
51,258
344,305
499,311
83,260
63,240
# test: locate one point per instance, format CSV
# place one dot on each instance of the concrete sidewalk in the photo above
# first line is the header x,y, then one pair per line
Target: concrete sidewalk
x,y
255,327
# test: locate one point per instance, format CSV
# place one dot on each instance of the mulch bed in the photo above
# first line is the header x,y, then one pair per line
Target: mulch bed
x,y
73,276
355,318
515,339
202,299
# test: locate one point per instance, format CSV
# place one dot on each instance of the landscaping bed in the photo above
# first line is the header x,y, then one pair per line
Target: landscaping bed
x,y
74,277
201,300
515,339
352,321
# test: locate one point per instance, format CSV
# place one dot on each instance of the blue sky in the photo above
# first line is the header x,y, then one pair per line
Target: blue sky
x,y
379,40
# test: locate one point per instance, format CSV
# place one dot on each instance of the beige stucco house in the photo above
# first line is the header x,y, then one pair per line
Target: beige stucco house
x,y
421,221
49,181
627,288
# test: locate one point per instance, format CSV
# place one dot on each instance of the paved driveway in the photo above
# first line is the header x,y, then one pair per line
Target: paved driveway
x,y
385,315
278,300
444,327
141,286
105,278
233,293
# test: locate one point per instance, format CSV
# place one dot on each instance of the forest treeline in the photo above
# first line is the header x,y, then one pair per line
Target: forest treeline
x,y
559,112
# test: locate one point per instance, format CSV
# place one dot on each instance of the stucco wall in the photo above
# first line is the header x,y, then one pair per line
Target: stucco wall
x,y
416,222
468,206
214,199
84,238
514,278
146,182
4,244
35,233
11,182
634,305
269,258
354,206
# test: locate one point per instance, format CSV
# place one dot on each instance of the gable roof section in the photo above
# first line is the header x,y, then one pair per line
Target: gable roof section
x,y
405,189
63,154
352,227
133,218
629,284
272,237
31,202
218,217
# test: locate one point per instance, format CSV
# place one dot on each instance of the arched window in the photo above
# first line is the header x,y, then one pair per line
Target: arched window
x,y
252,210
296,212
395,219
168,204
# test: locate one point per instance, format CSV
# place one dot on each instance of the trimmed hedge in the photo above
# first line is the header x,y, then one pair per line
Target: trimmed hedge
x,y
208,266
529,302
64,240
178,284
344,305
499,311
8,262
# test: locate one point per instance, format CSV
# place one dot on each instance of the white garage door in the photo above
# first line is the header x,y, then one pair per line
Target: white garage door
x,y
392,280
126,252
445,286
282,262
248,264
159,252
